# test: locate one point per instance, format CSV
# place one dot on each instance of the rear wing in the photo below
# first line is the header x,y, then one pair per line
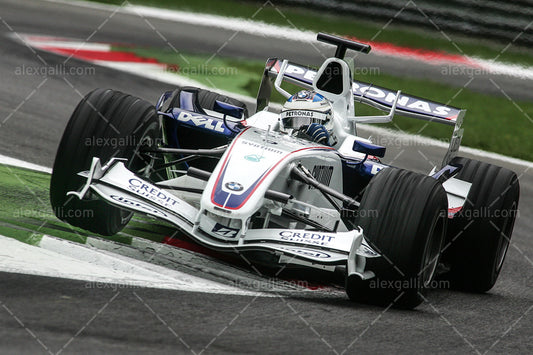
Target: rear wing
x,y
372,95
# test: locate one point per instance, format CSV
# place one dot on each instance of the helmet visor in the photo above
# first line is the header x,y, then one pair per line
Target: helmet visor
x,y
296,118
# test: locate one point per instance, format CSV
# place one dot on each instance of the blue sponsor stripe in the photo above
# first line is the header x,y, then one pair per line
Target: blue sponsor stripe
x,y
223,199
231,200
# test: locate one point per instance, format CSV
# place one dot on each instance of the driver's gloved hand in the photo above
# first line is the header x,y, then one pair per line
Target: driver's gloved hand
x,y
316,133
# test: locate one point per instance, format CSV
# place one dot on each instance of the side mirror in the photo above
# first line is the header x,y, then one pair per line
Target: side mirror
x,y
228,109
369,148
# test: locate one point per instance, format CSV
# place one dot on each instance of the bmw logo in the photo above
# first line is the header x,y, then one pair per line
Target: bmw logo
x,y
233,186
303,94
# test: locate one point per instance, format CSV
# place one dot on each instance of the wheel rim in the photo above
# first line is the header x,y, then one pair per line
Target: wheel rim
x,y
504,239
432,251
138,163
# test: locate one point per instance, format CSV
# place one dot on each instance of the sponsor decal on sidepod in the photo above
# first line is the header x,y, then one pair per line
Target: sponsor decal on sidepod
x,y
201,121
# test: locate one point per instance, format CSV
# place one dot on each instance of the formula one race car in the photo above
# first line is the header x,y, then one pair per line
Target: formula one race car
x,y
298,188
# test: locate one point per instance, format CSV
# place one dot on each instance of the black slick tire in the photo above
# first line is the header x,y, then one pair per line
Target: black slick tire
x,y
403,215
105,124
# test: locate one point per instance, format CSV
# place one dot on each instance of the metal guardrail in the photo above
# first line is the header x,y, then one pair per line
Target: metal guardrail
x,y
503,20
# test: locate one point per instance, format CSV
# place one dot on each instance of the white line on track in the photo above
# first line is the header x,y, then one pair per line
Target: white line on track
x,y
4,160
56,257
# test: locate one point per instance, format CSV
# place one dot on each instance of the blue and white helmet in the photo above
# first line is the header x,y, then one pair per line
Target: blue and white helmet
x,y
304,108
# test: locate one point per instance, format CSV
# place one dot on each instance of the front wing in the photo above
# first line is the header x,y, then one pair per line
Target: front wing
x,y
118,186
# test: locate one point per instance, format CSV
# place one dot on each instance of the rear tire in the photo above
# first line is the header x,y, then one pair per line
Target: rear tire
x,y
479,235
105,124
403,215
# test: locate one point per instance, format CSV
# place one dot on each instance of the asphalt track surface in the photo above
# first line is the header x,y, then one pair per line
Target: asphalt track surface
x,y
39,314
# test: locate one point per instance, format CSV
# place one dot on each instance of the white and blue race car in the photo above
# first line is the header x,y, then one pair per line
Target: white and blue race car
x,y
244,183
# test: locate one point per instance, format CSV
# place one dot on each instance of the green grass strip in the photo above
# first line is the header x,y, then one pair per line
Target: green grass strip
x,y
26,213
25,210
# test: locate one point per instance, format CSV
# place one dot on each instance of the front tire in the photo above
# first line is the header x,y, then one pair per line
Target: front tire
x,y
105,124
479,235
403,216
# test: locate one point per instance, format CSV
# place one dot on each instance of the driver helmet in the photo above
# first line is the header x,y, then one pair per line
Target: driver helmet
x,y
304,108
